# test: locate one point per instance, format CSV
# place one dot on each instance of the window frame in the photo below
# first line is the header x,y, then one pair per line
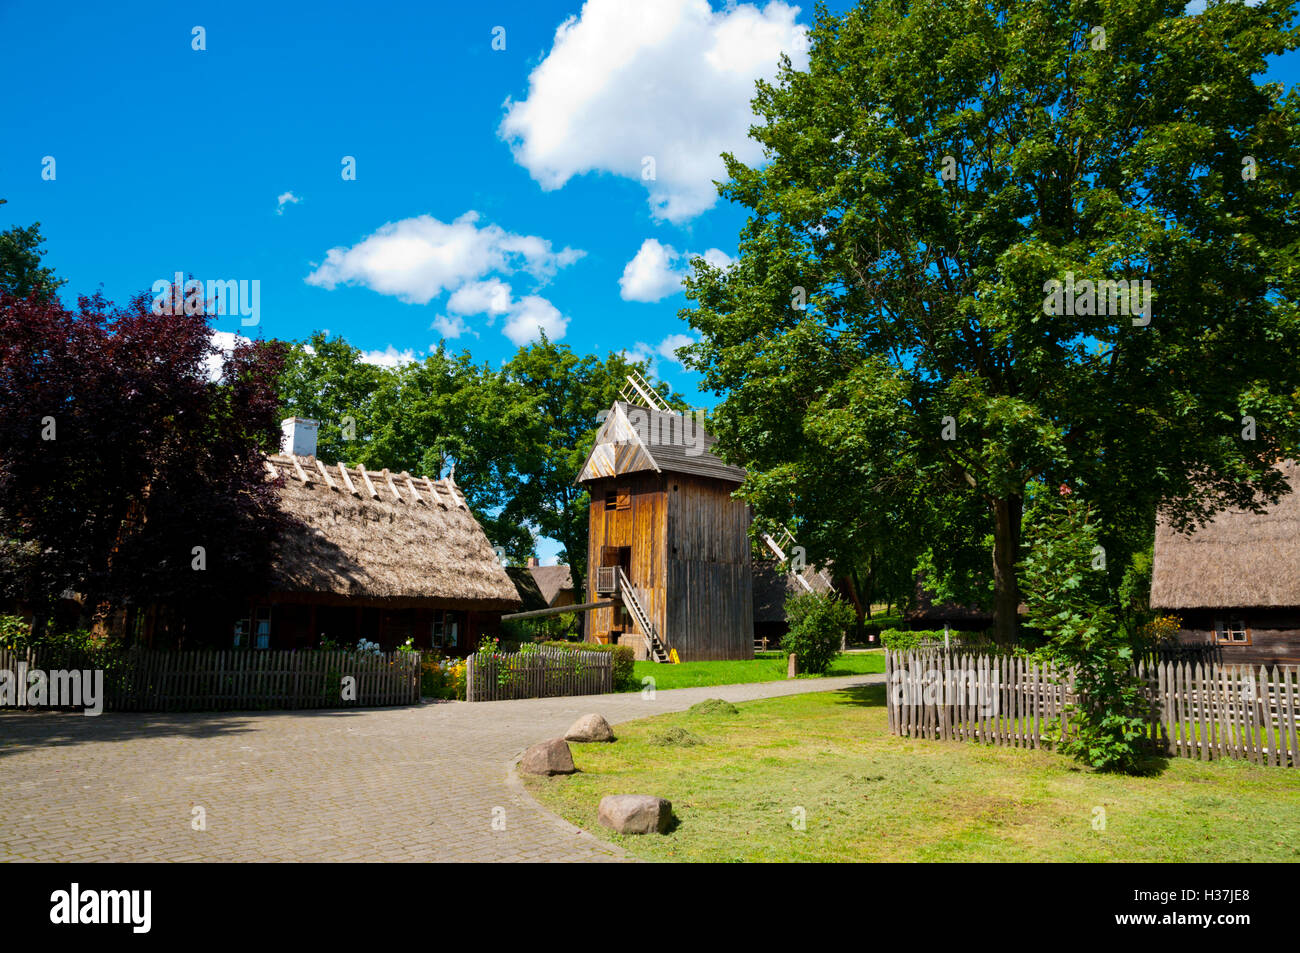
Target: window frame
x,y
1226,627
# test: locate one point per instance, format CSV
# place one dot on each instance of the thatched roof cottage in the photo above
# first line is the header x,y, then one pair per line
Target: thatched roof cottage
x,y
1236,581
375,555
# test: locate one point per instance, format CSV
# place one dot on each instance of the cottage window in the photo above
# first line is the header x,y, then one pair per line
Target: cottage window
x,y
444,632
254,631
619,499
1232,631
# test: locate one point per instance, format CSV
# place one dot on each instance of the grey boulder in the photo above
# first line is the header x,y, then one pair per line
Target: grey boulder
x,y
635,813
548,757
589,728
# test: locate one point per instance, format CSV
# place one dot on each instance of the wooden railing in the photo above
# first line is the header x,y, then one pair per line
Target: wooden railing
x,y
1196,710
210,680
541,673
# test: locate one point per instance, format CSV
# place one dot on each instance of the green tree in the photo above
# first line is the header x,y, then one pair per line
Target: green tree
x,y
21,272
326,380
935,169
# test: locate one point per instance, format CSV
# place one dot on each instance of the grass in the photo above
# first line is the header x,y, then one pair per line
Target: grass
x,y
768,667
868,795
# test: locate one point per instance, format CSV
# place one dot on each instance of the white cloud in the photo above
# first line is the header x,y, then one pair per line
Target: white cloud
x,y
451,327
671,80
657,271
286,198
642,353
669,345
532,315
417,259
651,353
225,341
389,357
650,275
491,297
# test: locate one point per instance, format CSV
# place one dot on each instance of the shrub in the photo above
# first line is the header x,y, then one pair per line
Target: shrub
x,y
624,658
1067,599
902,640
15,633
817,626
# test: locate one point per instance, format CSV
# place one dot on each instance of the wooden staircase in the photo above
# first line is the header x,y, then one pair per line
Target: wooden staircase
x,y
655,648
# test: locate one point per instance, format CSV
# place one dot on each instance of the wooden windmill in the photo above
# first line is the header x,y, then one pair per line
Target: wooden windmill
x,y
668,545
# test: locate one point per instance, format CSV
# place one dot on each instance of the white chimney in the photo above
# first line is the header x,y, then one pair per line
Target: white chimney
x,y
299,436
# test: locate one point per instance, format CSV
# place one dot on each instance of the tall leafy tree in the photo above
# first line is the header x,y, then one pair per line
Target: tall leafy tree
x,y
325,379
21,271
126,473
938,166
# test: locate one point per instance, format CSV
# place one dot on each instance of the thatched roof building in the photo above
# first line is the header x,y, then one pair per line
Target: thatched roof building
x,y
380,536
369,554
1239,559
1236,580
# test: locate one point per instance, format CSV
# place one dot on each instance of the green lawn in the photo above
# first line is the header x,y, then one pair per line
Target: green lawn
x,y
868,795
769,667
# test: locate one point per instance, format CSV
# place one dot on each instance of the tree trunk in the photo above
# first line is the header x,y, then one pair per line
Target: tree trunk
x,y
1006,552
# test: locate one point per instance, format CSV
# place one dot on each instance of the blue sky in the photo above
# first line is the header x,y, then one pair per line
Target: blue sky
x,y
169,158
496,190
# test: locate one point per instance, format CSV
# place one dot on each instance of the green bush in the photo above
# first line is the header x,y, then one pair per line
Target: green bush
x,y
624,658
15,633
547,628
817,626
902,640
1066,594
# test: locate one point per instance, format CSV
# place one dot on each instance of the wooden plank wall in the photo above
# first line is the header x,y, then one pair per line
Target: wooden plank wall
x,y
247,679
1197,710
710,579
640,526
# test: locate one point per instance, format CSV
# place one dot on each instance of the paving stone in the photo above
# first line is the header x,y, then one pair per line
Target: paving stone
x,y
408,784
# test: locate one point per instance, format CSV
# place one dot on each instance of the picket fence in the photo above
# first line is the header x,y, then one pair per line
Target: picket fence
x,y
1195,709
544,673
209,680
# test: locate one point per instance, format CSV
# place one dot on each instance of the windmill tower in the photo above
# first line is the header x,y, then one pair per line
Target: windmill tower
x,y
669,550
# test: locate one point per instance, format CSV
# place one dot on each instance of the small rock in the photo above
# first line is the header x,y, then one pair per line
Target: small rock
x,y
792,667
589,728
548,757
635,813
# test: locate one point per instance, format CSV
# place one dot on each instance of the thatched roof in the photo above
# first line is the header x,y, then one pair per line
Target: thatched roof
x,y
552,580
633,439
773,586
1238,560
376,535
530,595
